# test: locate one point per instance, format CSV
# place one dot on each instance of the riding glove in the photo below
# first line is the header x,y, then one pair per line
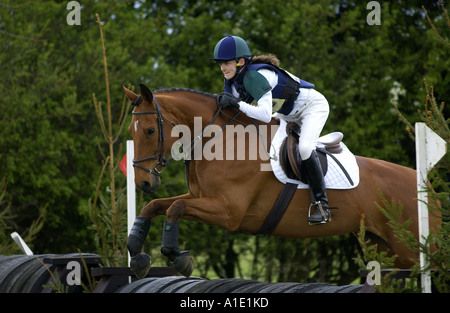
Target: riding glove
x,y
226,100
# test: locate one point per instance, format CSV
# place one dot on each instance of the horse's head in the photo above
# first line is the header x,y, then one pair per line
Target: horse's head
x,y
147,130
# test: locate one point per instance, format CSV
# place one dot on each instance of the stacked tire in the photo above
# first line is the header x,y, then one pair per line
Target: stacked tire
x,y
30,274
179,284
23,273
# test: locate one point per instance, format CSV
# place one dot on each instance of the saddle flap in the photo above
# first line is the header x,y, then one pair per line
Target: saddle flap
x,y
290,159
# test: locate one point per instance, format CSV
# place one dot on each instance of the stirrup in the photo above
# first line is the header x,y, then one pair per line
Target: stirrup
x,y
326,214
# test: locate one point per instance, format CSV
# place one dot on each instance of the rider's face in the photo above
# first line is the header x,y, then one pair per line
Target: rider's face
x,y
228,68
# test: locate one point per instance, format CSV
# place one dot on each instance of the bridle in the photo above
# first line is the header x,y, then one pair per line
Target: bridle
x,y
162,161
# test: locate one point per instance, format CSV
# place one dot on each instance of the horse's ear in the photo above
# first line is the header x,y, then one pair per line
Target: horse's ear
x,y
146,93
130,95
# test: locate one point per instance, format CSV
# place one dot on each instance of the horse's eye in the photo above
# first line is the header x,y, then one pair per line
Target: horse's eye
x,y
150,131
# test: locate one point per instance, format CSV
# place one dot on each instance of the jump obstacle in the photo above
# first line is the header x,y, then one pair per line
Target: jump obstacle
x,y
27,274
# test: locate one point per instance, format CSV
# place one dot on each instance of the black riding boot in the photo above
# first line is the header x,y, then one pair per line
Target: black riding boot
x,y
317,187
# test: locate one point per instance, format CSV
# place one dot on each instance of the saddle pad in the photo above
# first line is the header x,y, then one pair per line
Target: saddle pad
x,y
335,177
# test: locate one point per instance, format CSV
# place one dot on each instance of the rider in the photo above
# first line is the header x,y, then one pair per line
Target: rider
x,y
260,80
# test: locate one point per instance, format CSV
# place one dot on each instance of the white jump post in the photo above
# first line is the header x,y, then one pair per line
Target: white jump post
x,y
131,190
430,148
21,243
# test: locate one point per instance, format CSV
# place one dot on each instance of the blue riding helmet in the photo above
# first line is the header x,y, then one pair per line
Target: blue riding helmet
x,y
231,48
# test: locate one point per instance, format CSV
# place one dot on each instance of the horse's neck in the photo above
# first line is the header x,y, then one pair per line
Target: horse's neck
x,y
187,111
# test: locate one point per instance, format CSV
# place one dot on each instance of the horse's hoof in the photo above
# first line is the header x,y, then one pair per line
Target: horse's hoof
x,y
140,265
184,264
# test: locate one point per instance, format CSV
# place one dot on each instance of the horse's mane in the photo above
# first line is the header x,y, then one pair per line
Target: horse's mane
x,y
198,92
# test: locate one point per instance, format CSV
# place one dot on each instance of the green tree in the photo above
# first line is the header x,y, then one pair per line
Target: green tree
x,y
42,135
49,132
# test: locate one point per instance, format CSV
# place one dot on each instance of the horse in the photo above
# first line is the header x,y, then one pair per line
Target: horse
x,y
235,194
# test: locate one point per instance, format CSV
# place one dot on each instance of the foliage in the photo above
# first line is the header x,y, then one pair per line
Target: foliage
x,y
439,195
7,245
55,283
48,131
370,252
109,217
437,245
439,206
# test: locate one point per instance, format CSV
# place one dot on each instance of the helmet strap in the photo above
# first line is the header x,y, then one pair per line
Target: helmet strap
x,y
239,67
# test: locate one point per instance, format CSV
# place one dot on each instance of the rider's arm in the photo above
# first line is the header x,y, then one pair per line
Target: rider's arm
x,y
263,110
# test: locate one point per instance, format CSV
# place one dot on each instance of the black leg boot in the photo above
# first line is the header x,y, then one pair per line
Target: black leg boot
x,y
181,260
169,246
140,262
317,187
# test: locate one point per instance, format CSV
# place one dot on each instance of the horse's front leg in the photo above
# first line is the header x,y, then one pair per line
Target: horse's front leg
x,y
140,262
206,210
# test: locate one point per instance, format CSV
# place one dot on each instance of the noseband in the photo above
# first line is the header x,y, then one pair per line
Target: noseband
x,y
162,162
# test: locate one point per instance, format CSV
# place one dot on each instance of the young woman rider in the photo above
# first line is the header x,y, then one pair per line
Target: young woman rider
x,y
261,80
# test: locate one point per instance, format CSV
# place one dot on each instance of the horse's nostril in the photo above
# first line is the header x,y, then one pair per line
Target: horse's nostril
x,y
145,186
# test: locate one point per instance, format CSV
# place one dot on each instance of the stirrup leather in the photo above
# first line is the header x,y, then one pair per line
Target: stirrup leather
x,y
326,214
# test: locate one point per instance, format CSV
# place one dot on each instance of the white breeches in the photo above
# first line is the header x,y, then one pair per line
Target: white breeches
x,y
310,111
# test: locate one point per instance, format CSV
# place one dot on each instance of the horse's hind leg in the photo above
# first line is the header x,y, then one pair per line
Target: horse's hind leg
x,y
181,260
140,262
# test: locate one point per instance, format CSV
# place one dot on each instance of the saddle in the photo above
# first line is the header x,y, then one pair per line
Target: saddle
x,y
290,159
291,164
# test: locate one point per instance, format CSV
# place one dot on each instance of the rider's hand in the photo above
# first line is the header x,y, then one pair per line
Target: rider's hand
x,y
226,100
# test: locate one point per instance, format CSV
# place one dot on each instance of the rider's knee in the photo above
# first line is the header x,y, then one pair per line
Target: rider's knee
x,y
305,150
